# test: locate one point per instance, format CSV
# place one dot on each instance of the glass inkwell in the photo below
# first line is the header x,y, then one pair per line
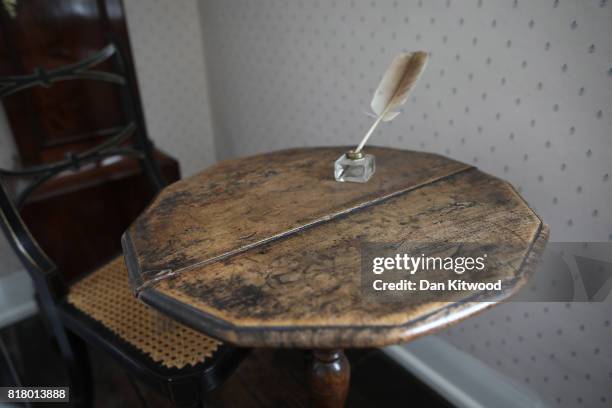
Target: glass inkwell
x,y
354,166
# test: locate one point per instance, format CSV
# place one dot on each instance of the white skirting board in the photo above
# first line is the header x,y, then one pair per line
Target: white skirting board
x,y
460,378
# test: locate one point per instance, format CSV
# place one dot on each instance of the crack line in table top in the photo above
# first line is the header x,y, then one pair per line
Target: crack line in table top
x,y
164,274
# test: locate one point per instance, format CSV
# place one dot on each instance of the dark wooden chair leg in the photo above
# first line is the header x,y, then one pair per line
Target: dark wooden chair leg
x,y
79,372
329,378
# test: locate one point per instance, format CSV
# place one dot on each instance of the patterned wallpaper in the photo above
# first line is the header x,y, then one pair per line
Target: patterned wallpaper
x,y
167,47
522,89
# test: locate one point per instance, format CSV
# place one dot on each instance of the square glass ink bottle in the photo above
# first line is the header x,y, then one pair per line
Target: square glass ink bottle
x,y
356,167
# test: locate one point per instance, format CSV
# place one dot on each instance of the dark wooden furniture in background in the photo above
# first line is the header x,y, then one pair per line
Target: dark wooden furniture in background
x,y
71,115
50,122
266,251
69,89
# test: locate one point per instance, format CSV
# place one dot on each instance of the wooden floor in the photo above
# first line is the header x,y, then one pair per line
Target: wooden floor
x,y
267,378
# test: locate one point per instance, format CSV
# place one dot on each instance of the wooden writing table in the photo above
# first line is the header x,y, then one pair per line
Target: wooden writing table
x,y
264,251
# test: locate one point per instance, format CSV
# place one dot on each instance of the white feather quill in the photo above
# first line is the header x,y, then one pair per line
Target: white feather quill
x,y
392,92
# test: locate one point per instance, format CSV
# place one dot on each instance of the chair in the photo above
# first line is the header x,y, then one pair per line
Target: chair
x,y
99,309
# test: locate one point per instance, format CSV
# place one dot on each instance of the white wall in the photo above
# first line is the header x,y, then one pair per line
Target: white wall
x,y
522,89
8,150
169,57
8,260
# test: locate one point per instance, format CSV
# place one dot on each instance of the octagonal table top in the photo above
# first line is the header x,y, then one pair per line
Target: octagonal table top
x,y
267,250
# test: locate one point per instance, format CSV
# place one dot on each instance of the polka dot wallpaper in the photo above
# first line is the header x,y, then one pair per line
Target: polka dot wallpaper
x,y
167,47
521,89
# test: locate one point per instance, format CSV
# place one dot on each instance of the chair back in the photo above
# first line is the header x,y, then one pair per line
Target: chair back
x,y
17,185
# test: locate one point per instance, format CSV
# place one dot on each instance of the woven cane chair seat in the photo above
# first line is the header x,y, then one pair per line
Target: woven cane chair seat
x,y
105,296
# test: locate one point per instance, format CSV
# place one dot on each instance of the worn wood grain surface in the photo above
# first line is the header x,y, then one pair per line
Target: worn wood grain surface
x,y
237,204
306,289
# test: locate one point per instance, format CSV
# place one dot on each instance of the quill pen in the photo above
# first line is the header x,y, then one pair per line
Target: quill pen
x,y
393,89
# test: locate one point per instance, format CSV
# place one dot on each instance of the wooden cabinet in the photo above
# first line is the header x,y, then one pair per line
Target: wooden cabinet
x,y
78,218
70,115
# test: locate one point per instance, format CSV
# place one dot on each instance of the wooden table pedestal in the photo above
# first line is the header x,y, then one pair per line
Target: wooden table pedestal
x,y
329,378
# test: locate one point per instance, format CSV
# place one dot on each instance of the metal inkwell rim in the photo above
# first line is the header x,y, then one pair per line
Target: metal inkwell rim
x,y
352,155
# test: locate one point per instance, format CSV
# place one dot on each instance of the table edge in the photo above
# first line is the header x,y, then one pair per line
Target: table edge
x,y
346,336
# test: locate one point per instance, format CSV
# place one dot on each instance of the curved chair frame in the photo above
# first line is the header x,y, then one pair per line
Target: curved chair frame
x,y
185,387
